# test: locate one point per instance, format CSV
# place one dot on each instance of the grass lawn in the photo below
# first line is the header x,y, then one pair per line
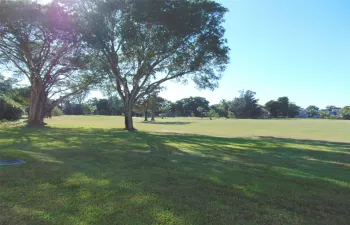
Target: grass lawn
x,y
87,170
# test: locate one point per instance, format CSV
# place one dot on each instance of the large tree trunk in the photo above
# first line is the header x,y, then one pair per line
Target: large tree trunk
x,y
37,106
129,125
152,119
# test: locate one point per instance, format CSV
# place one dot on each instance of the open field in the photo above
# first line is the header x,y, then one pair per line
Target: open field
x,y
87,170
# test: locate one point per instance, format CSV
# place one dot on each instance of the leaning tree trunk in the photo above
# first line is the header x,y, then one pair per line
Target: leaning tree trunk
x,y
129,125
37,104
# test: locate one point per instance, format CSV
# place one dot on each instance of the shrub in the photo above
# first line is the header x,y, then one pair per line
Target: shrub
x,y
345,112
9,109
333,117
56,112
231,115
213,113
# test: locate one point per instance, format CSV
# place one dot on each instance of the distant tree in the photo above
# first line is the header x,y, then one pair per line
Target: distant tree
x,y
88,109
245,106
293,110
345,113
187,106
222,108
231,115
143,44
156,103
115,105
324,114
165,109
5,85
56,112
312,111
283,106
200,109
212,114
274,108
172,108
142,106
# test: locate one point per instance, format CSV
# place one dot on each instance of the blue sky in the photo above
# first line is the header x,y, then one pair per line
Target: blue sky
x,y
299,49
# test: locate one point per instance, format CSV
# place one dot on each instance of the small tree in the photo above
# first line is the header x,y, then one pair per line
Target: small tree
x,y
231,115
56,112
213,114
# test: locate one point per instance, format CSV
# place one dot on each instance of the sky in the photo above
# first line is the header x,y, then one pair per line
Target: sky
x,y
299,49
294,48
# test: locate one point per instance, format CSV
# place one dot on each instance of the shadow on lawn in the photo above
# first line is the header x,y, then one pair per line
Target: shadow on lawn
x,y
97,176
166,123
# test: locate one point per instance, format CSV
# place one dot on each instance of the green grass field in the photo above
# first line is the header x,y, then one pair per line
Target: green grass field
x,y
87,170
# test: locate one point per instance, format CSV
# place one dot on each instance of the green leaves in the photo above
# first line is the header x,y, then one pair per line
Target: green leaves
x,y
145,40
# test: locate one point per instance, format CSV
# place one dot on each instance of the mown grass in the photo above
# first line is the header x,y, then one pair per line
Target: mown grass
x,y
89,173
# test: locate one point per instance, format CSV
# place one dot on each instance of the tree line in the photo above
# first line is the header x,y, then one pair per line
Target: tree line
x,y
245,106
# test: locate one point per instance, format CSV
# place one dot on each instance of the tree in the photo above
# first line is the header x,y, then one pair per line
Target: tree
x,y
88,109
231,115
212,113
187,106
156,104
324,114
142,105
293,110
143,44
222,108
245,106
5,85
345,112
283,106
200,109
39,42
312,111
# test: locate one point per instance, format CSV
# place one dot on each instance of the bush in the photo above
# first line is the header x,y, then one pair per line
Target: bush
x,y
56,112
345,112
333,117
213,113
9,109
231,115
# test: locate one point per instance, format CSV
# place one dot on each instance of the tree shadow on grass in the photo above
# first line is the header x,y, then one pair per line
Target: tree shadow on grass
x,y
97,176
166,123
